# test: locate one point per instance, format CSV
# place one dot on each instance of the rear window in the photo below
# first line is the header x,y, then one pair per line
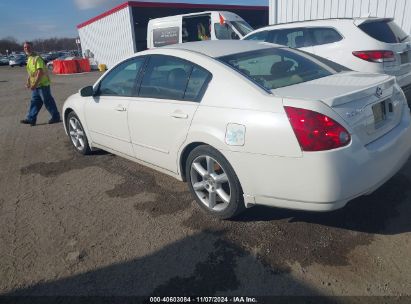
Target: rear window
x,y
277,67
384,31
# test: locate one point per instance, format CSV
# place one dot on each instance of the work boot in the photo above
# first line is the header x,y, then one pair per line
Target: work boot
x,y
28,122
53,121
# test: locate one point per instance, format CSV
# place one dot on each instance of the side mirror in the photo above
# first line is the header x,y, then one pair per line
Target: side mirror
x,y
87,91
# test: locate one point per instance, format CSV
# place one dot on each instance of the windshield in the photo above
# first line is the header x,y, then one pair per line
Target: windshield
x,y
242,27
277,67
385,31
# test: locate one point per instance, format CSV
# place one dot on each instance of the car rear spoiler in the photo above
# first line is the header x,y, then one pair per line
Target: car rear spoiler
x,y
359,21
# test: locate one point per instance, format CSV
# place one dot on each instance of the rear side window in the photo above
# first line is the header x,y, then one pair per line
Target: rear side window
x,y
168,77
276,67
295,38
384,31
165,77
325,35
197,84
259,36
196,28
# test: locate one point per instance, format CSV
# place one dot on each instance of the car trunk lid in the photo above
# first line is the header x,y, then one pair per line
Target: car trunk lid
x,y
370,104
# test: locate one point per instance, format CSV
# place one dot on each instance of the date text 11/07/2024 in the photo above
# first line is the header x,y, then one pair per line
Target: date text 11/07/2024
x,y
237,299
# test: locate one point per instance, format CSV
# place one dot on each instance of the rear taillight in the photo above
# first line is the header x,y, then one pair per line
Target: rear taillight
x,y
375,56
315,131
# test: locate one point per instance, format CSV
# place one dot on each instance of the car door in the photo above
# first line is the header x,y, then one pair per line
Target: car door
x,y
107,112
159,119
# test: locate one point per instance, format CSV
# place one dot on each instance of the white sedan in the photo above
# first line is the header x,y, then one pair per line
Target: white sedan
x,y
247,123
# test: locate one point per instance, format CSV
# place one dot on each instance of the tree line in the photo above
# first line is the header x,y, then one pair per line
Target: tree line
x,y
39,45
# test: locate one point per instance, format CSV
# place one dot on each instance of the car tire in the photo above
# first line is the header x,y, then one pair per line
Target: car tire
x,y
77,135
213,183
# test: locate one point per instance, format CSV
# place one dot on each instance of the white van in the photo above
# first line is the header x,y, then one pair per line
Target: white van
x,y
210,25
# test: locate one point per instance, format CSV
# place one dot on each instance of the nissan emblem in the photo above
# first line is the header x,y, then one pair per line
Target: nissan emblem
x,y
378,92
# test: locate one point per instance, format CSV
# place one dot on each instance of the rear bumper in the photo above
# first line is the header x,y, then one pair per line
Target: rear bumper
x,y
407,91
323,181
404,81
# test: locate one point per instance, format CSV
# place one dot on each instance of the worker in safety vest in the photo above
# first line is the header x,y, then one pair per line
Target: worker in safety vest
x,y
38,82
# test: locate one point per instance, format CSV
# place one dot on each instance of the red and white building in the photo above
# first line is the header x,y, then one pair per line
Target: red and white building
x,y
122,31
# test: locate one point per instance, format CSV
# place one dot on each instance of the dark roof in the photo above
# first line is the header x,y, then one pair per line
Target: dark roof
x,y
171,5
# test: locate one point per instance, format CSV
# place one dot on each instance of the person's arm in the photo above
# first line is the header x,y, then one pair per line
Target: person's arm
x,y
28,85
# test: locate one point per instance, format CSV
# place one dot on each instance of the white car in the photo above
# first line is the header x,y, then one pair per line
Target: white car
x,y
19,60
247,123
374,45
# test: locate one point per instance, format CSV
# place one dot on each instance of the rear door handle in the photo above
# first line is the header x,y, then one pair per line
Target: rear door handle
x,y
179,115
120,108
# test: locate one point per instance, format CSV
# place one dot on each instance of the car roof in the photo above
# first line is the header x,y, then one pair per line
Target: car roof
x,y
219,48
320,22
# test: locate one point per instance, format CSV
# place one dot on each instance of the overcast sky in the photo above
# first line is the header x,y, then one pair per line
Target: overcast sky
x,y
31,19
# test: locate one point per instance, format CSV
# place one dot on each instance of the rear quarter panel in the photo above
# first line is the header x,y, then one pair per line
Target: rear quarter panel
x,y
232,99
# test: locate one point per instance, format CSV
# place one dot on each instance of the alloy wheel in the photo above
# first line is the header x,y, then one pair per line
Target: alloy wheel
x,y
76,133
210,183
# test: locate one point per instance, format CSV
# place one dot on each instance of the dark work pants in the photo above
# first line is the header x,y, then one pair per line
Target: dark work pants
x,y
39,96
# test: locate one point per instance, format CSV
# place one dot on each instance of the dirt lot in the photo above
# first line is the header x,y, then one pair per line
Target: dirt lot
x,y
102,225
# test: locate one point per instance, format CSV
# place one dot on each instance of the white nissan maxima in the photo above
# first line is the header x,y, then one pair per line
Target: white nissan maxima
x,y
247,123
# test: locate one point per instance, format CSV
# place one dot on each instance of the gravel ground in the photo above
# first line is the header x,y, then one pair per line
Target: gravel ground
x,y
103,225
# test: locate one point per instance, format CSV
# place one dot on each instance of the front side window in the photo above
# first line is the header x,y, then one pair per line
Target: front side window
x,y
224,31
325,35
123,79
165,77
277,67
242,27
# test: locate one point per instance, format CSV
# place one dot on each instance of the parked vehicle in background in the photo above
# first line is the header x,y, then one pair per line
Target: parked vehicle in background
x,y
247,123
4,60
46,57
375,45
19,60
210,25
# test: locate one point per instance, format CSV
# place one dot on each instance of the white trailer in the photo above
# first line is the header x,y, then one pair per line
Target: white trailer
x,y
109,38
282,11
122,31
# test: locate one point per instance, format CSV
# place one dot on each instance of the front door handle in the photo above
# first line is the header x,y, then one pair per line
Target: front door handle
x,y
179,115
120,108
